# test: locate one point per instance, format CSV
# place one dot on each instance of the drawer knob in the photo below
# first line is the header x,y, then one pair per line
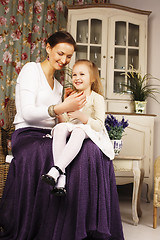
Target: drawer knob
x,y
126,107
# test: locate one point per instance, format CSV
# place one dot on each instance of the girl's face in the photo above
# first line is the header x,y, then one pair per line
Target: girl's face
x,y
81,78
60,55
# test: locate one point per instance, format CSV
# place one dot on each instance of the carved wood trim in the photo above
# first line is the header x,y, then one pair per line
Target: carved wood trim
x,y
109,5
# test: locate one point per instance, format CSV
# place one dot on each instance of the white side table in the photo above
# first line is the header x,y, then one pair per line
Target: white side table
x,y
129,169
138,141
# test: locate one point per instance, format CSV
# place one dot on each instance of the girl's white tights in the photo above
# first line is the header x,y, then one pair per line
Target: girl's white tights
x,y
64,152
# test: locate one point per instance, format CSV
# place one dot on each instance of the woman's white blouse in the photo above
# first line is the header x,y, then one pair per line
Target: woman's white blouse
x,y
34,96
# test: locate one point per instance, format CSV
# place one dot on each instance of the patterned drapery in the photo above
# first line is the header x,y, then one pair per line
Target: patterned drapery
x,y
24,27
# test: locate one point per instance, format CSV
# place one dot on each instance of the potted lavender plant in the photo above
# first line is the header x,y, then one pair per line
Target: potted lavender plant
x,y
115,129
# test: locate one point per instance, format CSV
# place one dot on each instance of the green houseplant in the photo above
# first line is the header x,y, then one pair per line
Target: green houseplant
x,y
140,88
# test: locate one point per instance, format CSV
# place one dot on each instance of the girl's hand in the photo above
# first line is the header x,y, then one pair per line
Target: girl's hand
x,y
75,114
60,118
78,115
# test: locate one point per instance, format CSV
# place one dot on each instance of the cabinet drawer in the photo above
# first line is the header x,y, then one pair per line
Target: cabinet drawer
x,y
126,107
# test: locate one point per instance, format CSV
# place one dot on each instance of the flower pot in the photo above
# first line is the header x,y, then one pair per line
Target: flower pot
x,y
140,107
117,145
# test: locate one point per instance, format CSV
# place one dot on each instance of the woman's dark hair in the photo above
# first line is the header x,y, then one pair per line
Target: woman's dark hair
x,y
61,37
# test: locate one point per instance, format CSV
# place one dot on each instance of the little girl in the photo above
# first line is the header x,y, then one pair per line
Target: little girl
x,y
79,125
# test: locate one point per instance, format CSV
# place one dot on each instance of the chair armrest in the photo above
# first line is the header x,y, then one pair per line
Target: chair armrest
x,y
156,196
157,167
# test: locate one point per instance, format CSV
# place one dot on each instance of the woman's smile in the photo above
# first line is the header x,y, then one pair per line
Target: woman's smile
x,y
60,64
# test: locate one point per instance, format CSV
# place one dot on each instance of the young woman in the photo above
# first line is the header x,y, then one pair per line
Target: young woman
x,y
81,124
27,209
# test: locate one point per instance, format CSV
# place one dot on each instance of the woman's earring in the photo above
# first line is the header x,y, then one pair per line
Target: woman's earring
x,y
48,57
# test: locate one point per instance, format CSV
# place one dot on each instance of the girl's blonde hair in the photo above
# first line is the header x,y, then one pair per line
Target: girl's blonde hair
x,y
96,84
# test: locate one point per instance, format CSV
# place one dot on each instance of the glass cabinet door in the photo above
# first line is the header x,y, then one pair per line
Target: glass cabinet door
x,y
125,52
82,31
89,40
96,31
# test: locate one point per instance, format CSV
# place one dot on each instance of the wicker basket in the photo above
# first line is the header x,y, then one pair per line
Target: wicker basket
x,y
3,176
5,135
3,168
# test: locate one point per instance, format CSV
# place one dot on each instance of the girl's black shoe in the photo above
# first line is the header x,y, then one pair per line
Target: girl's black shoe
x,y
49,180
59,192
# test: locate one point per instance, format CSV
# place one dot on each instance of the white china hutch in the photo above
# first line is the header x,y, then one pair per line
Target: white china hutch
x,y
115,37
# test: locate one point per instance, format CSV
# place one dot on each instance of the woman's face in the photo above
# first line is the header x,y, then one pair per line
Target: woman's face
x,y
60,55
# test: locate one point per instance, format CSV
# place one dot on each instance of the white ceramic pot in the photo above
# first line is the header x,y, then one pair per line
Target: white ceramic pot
x,y
117,145
140,107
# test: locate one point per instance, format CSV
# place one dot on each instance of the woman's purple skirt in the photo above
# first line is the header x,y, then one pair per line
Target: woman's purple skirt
x,y
28,210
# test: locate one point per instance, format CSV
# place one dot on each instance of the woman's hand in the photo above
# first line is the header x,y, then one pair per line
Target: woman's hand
x,y
68,92
75,101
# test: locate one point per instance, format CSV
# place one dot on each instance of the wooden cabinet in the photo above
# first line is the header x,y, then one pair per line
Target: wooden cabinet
x,y
113,37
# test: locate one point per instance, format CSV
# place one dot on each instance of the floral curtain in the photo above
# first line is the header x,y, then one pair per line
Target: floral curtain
x,y
24,27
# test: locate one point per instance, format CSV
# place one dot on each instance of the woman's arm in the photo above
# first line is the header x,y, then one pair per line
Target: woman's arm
x,y
27,89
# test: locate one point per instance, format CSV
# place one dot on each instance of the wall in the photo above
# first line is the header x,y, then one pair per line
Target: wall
x,y
153,55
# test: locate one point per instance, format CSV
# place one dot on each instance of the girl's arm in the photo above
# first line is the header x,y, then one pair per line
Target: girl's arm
x,y
96,121
94,116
